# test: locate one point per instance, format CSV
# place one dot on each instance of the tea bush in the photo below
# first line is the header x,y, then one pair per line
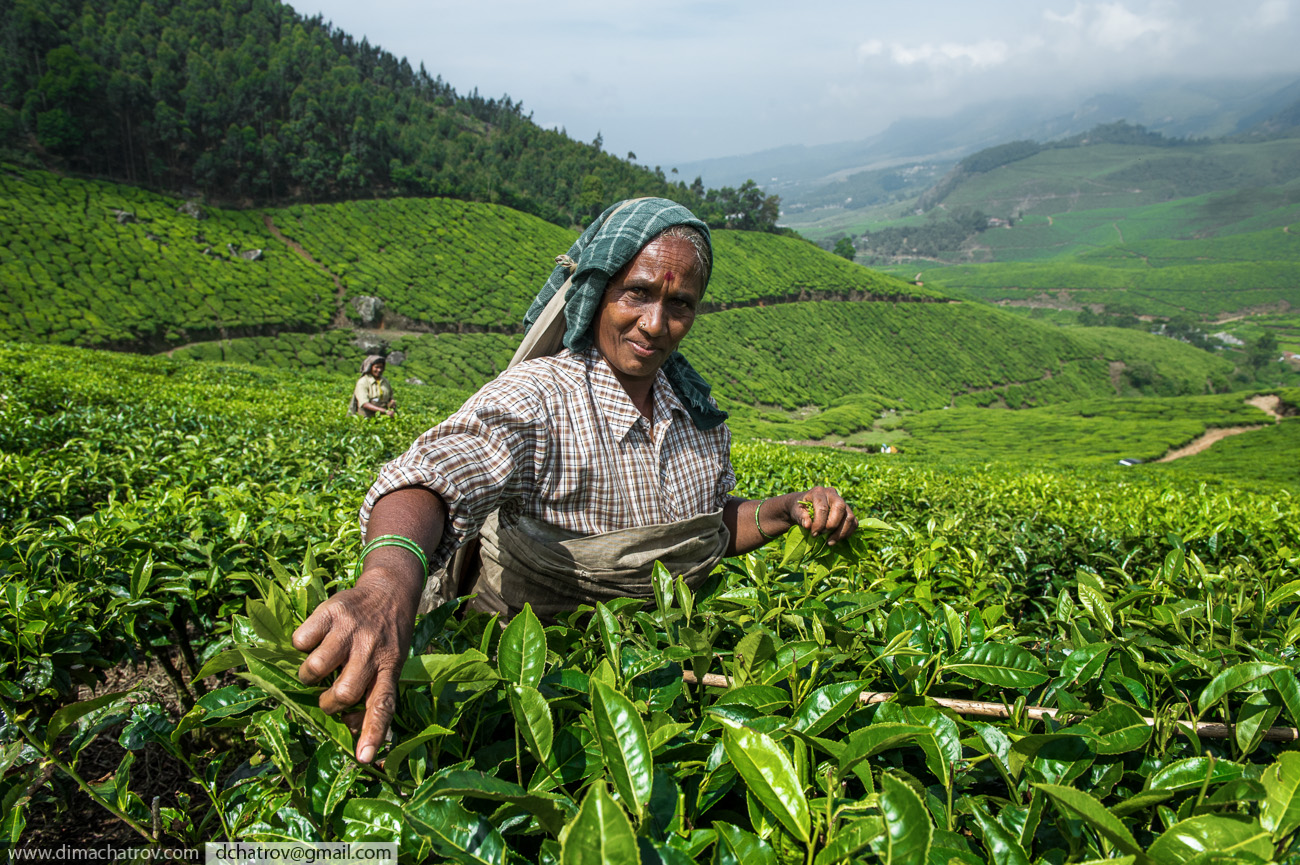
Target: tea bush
x,y
159,503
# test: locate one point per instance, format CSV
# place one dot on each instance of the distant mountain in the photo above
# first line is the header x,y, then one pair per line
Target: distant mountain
x,y
1177,109
1280,117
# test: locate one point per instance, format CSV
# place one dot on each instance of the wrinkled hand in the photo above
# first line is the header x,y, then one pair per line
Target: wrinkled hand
x,y
366,631
826,514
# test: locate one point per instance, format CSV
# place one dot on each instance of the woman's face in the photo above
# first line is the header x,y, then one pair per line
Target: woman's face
x,y
377,370
648,307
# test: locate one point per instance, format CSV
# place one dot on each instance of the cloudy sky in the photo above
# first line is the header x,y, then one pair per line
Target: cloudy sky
x,y
676,81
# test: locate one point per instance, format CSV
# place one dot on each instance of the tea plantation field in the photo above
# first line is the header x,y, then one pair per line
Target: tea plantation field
x,y
815,369
96,264
189,515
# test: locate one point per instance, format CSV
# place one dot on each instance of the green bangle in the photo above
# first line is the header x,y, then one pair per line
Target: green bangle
x,y
758,525
394,541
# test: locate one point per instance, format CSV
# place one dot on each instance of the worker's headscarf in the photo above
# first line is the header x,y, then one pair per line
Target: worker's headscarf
x,y
371,361
610,242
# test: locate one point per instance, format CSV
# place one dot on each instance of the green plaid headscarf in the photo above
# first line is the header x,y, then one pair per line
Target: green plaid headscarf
x,y
609,243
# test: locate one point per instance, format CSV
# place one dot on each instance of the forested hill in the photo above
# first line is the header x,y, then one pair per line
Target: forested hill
x,y
247,102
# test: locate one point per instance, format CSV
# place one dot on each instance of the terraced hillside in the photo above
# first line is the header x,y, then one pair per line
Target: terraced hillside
x,y
97,264
148,276
449,265
800,343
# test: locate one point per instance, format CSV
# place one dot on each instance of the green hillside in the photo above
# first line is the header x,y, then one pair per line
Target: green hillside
x,y
1109,176
1160,228
1074,433
450,264
822,369
828,371
1266,456
71,272
799,344
156,277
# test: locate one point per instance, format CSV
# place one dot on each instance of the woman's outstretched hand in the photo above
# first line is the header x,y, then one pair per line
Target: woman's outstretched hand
x,y
754,522
365,631
822,511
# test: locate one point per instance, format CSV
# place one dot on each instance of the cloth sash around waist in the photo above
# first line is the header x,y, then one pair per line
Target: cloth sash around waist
x,y
556,571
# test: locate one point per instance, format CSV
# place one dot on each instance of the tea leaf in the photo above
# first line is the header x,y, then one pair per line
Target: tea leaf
x,y
1233,678
770,776
906,821
1002,664
624,745
533,716
600,834
1079,805
1227,835
521,657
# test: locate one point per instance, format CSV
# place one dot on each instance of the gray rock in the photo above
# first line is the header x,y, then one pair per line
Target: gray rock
x,y
251,255
371,309
370,343
191,208
124,217
397,358
414,380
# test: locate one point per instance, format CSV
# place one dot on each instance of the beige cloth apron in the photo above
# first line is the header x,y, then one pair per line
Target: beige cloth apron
x,y
554,570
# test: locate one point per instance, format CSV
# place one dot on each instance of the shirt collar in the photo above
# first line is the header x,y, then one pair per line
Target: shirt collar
x,y
619,411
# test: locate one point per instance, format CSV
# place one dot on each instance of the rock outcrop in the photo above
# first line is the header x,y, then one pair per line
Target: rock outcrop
x,y
370,309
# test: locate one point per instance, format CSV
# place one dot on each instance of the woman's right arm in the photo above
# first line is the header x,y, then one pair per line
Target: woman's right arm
x,y
366,630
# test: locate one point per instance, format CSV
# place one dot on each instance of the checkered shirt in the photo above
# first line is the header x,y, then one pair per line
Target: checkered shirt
x,y
559,440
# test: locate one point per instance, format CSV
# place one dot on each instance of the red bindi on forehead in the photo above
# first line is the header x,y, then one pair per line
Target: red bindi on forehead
x,y
668,277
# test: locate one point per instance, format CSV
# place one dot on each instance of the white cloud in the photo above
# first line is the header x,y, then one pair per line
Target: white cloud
x,y
1073,19
843,70
1115,26
980,55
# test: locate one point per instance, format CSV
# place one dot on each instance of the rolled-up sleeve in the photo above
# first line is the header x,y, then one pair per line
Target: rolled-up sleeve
x,y
727,477
489,451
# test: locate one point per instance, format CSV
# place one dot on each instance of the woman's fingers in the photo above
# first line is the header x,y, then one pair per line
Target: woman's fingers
x,y
847,527
831,515
308,635
329,655
837,511
381,704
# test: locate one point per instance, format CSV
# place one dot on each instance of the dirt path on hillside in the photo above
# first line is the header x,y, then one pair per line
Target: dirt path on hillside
x,y
1199,444
1270,404
340,319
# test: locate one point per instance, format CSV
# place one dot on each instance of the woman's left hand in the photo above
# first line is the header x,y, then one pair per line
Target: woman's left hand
x,y
823,511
